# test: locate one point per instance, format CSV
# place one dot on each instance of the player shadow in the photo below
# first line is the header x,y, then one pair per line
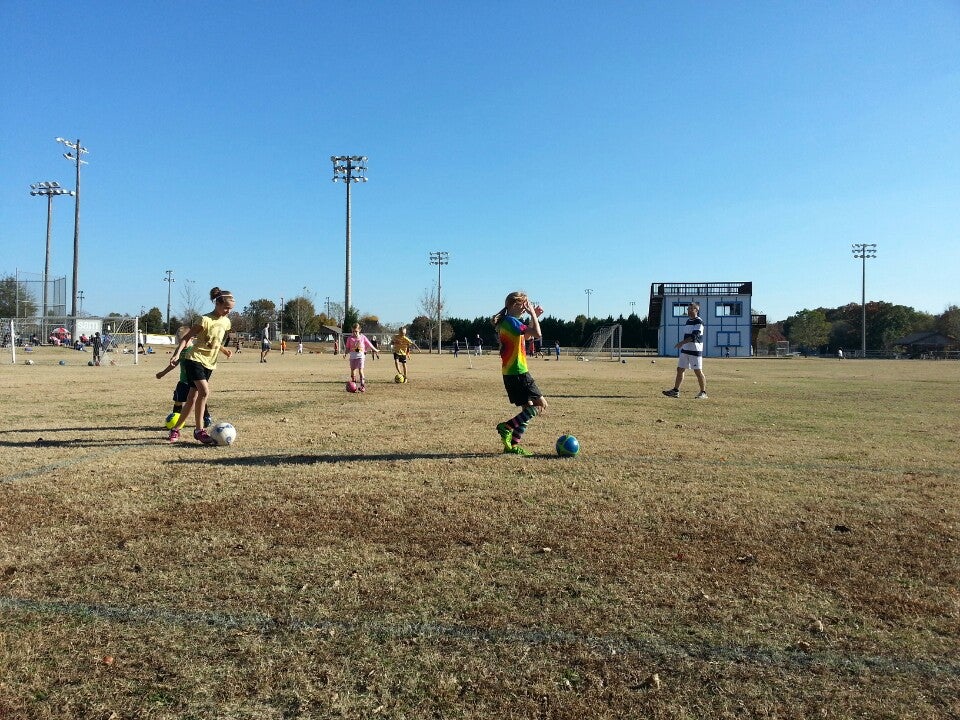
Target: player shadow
x,y
590,397
52,437
274,460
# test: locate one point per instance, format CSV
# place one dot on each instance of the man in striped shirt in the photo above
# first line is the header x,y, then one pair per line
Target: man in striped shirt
x,y
691,353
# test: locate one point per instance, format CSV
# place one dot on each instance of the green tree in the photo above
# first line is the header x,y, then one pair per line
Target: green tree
x,y
948,323
152,322
15,301
300,316
808,329
421,330
259,313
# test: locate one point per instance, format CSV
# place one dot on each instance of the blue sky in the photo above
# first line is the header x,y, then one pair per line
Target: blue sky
x,y
550,146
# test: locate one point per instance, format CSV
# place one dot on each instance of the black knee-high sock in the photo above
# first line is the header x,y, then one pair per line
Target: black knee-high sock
x,y
519,423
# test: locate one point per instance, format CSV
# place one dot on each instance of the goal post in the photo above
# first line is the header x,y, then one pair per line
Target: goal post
x,y
122,341
606,343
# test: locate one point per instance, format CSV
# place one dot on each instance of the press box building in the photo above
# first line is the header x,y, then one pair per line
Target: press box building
x,y
730,326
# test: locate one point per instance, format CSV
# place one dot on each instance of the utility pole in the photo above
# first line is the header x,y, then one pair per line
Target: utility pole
x,y
75,158
350,169
50,190
169,281
864,252
439,258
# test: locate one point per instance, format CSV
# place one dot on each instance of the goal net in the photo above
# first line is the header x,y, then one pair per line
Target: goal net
x,y
604,344
53,338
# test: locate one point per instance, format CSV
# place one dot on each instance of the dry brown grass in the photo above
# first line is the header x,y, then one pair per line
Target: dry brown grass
x,y
786,549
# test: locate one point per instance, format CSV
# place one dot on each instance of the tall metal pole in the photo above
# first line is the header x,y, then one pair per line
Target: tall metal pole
x,y
863,252
74,157
589,292
49,190
439,258
169,280
350,169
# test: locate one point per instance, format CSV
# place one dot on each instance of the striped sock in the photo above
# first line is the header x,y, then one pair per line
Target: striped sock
x,y
519,423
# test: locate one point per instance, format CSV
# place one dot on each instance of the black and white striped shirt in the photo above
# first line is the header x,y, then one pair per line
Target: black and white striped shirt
x,y
693,337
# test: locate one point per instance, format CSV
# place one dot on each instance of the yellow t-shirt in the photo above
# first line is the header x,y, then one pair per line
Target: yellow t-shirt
x,y
206,345
401,344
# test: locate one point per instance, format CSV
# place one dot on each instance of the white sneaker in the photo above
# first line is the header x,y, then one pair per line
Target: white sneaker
x,y
702,395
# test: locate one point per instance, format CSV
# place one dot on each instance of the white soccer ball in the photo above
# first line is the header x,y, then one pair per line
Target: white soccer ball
x,y
224,433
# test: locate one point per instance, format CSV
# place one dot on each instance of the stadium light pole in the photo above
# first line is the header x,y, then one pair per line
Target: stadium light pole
x,y
80,298
75,157
50,190
589,292
439,258
633,307
864,252
169,281
350,169
281,321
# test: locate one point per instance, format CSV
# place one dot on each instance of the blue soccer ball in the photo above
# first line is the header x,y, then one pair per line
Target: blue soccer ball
x,y
568,446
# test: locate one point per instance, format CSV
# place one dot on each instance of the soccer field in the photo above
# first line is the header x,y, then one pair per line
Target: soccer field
x,y
787,548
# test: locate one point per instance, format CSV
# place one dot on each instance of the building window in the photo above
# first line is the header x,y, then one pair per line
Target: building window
x,y
729,309
680,309
728,339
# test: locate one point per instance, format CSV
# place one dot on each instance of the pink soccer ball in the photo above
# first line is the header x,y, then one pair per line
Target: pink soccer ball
x,y
351,386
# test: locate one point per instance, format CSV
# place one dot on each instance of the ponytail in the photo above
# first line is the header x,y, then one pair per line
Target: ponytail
x,y
220,296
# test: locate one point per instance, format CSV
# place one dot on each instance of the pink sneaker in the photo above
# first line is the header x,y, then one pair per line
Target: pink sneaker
x,y
200,435
174,436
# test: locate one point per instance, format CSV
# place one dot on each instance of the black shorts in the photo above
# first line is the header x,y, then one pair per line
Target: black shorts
x,y
400,358
181,391
521,389
195,371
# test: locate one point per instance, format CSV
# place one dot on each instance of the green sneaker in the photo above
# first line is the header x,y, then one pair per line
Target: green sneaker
x,y
506,435
517,450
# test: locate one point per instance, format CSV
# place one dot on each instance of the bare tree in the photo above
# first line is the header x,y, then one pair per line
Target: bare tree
x,y
428,308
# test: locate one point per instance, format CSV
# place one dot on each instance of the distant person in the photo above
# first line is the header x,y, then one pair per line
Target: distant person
x,y
519,384
208,336
376,349
300,347
97,348
456,348
839,353
401,349
336,346
556,349
691,353
357,345
283,346
478,346
265,343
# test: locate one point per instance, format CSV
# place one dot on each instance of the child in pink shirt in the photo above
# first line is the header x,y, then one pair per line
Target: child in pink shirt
x,y
357,345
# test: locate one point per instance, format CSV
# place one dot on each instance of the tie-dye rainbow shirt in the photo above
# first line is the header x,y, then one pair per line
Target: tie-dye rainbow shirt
x,y
512,353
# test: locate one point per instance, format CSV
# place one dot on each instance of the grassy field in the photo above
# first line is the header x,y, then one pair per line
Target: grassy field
x,y
786,549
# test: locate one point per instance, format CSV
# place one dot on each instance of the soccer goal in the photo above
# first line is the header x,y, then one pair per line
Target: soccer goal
x,y
59,337
605,344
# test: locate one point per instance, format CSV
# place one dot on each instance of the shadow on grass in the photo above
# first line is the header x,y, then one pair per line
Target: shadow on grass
x,y
300,459
52,437
551,396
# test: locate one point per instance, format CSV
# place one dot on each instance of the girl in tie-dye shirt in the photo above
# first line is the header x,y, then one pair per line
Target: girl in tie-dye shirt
x,y
521,388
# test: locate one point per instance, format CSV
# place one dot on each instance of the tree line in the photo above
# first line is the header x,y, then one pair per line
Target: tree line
x,y
822,330
826,330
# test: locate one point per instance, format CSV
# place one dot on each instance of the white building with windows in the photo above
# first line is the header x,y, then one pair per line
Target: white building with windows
x,y
726,311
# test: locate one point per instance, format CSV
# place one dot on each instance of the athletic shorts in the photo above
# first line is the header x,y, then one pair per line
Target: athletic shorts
x,y
400,358
521,389
196,372
356,363
181,391
690,362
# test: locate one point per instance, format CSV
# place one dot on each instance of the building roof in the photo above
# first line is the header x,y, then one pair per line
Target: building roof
x,y
927,339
